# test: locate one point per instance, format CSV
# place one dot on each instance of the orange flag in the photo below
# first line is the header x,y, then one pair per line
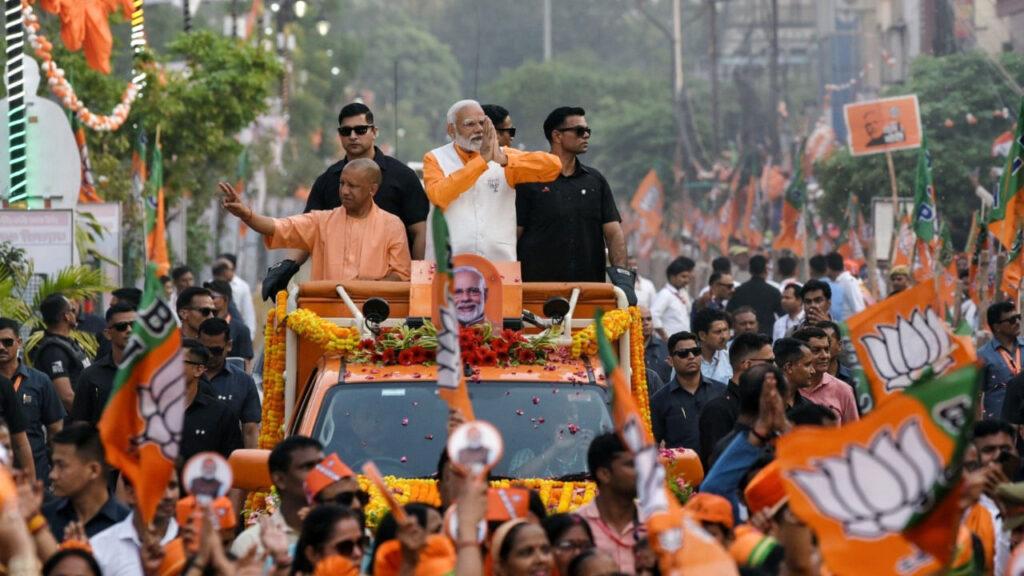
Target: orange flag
x,y
881,494
901,337
648,203
141,424
681,544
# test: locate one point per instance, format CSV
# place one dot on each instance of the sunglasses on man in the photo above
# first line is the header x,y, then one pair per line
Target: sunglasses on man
x,y
578,130
360,130
205,311
511,131
687,352
1011,319
7,342
121,326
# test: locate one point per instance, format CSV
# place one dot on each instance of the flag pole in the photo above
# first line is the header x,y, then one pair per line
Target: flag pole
x,y
895,207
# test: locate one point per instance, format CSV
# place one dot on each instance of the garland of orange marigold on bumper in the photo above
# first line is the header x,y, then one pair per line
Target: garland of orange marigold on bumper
x,y
616,323
272,428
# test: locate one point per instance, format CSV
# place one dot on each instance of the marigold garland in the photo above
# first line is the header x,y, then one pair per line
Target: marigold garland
x,y
62,89
331,337
638,366
615,322
272,428
557,496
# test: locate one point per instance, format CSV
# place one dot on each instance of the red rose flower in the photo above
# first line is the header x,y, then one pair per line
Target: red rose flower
x,y
388,356
419,354
500,345
367,344
489,357
429,355
526,356
466,340
503,358
406,357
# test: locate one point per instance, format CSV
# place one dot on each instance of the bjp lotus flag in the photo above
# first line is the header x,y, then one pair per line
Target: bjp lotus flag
x,y
901,338
1014,270
905,242
682,546
141,424
881,494
451,378
648,203
1008,210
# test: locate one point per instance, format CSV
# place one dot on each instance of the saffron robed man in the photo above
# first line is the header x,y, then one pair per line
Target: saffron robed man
x,y
473,180
356,241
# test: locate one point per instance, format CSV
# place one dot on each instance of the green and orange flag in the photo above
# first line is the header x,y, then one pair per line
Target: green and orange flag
x,y
1008,212
681,544
156,222
793,232
881,493
451,378
141,424
903,337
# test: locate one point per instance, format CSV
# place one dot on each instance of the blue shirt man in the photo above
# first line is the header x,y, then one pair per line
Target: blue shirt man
x,y
1001,357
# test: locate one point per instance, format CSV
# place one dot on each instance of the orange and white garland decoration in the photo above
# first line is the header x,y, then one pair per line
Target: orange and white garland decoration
x,y
62,89
272,428
638,366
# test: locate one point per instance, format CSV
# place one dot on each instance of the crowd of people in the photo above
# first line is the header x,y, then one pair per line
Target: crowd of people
x,y
731,366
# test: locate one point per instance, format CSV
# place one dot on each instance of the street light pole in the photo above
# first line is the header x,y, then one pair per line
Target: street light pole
x,y
547,30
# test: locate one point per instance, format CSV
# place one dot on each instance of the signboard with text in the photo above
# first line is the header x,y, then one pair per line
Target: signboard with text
x,y
47,236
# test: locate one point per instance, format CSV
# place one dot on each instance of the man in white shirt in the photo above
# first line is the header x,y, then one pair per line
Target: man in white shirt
x,y
117,548
794,311
671,308
712,327
241,292
644,288
853,299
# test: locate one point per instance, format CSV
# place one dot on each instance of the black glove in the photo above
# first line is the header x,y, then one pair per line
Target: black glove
x,y
624,280
277,278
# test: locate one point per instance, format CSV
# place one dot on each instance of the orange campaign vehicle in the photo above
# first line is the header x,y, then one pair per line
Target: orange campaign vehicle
x,y
355,365
883,125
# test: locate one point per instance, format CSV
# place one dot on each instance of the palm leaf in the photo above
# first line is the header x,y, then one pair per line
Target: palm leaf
x,y
11,304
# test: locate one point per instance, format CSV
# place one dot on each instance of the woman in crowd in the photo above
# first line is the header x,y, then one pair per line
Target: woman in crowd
x,y
569,536
328,531
521,549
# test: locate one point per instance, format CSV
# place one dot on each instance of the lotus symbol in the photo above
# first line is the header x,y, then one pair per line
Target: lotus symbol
x,y
875,490
162,405
900,353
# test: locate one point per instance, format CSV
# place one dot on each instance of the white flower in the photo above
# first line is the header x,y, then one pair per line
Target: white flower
x,y
900,353
874,491
162,405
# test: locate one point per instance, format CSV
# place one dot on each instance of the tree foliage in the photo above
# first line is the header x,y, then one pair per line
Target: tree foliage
x,y
948,88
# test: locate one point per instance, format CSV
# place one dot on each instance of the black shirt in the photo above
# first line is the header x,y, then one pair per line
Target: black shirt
x,y
763,298
55,360
210,426
241,339
400,191
41,407
675,413
10,408
562,221
60,512
238,390
717,419
94,386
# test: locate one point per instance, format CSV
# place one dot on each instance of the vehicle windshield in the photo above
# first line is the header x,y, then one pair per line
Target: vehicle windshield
x,y
401,426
